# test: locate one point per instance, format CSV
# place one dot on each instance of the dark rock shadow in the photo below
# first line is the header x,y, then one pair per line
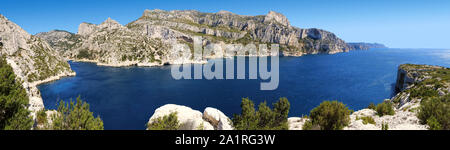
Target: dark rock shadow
x,y
394,90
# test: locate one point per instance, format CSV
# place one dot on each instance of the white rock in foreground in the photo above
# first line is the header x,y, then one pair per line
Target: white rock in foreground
x,y
296,123
401,120
217,118
188,118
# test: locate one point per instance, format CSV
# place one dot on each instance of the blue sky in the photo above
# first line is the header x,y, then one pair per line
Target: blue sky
x,y
396,23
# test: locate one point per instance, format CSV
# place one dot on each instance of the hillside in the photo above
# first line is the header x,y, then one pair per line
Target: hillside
x,y
150,40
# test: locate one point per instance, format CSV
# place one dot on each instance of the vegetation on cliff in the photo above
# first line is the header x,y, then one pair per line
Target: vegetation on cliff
x,y
13,101
385,108
429,85
435,112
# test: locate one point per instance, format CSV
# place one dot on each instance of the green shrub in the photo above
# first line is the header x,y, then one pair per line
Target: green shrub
x,y
75,116
41,117
307,125
13,101
385,108
167,122
435,112
201,126
84,54
384,126
330,115
371,106
263,119
423,92
366,119
433,124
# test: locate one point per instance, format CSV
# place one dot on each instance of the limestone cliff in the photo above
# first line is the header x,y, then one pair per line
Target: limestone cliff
x,y
226,27
150,39
34,61
412,78
60,40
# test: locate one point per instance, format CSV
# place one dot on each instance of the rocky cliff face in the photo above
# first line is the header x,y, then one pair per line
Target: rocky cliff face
x,y
34,61
150,39
60,40
428,78
227,27
365,46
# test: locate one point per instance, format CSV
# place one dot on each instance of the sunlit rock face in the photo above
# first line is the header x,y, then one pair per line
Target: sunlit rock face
x,y
152,39
228,27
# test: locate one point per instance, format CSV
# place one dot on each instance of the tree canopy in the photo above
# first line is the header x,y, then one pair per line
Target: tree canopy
x,y
14,114
264,118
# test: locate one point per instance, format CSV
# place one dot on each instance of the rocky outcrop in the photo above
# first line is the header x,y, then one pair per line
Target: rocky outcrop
x,y
365,46
412,77
403,119
211,119
218,119
409,74
188,118
33,60
112,44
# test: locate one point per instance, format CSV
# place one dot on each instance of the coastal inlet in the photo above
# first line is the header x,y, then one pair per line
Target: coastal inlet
x,y
126,97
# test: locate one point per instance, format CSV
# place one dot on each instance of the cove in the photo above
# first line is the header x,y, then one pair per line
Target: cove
x,y
126,97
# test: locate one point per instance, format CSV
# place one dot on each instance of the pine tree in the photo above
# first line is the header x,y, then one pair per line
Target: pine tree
x,y
14,114
75,116
168,122
264,118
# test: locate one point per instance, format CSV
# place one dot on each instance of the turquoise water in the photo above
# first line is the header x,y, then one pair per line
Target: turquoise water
x,y
126,97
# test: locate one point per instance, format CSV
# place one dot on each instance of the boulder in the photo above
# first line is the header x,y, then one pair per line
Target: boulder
x,y
188,118
217,118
